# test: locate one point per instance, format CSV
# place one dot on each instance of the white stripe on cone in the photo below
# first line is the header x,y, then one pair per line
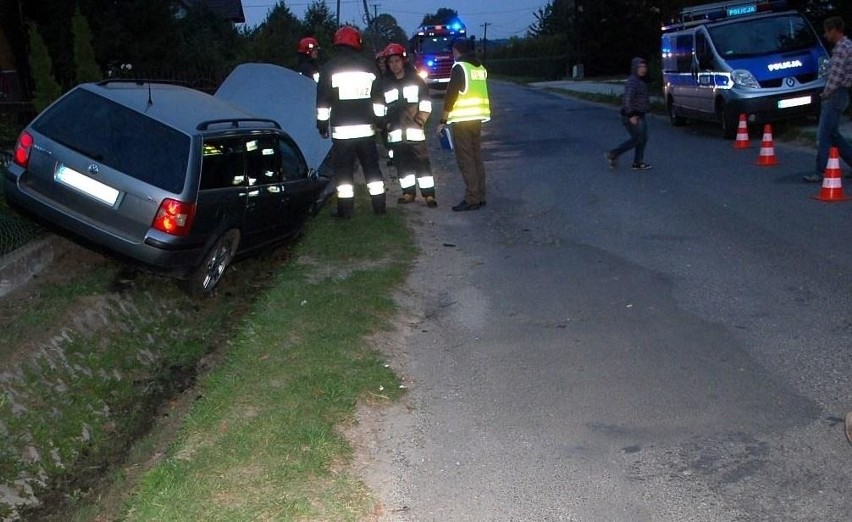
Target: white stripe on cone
x,y
830,183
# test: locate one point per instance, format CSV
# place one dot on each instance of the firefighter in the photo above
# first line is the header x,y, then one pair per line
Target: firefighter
x,y
308,51
408,107
381,63
349,106
382,68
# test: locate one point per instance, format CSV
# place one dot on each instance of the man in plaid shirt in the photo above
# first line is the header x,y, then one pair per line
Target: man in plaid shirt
x,y
835,98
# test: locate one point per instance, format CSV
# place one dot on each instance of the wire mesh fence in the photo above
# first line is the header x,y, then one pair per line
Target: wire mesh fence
x,y
15,231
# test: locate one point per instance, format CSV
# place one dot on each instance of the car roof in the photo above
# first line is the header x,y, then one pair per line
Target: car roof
x,y
179,107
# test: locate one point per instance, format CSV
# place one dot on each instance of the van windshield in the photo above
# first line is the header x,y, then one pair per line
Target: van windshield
x,y
762,36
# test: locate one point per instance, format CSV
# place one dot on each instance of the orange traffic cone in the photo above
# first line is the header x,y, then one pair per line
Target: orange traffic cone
x,y
832,189
742,134
767,149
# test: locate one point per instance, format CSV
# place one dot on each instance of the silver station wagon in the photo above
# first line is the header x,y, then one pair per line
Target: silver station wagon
x,y
171,178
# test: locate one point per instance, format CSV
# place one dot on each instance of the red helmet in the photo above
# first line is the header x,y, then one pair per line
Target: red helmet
x,y
380,55
394,49
348,35
308,44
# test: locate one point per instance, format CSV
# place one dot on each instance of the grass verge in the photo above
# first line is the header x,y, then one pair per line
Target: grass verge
x,y
85,370
263,440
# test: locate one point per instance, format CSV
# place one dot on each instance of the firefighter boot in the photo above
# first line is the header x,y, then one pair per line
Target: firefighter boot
x,y
379,203
345,209
406,198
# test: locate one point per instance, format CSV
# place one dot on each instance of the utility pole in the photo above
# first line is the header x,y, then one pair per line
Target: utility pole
x,y
367,13
485,39
338,13
376,11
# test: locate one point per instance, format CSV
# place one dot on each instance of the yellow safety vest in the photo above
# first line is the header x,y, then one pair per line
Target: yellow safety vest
x,y
472,103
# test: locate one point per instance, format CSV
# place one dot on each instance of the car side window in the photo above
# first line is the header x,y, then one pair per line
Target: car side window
x,y
223,163
292,162
263,165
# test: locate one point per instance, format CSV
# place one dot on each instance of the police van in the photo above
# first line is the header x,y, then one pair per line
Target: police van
x,y
756,58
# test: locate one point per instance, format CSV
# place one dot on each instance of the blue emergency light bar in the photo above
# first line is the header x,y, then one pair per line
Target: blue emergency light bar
x,y
441,30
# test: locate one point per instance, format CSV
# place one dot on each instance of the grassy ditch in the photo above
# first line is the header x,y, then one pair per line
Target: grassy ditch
x,y
86,361
263,439
94,355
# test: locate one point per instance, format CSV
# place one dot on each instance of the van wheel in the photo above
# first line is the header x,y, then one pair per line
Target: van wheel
x,y
728,120
675,119
202,282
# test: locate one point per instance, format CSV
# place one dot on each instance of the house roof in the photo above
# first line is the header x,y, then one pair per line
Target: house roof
x,y
229,9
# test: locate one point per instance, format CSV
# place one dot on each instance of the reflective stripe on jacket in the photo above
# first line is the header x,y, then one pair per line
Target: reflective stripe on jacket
x,y
408,103
472,102
346,98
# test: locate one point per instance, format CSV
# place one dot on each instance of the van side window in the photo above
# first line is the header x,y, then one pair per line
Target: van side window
x,y
292,162
223,163
683,53
262,163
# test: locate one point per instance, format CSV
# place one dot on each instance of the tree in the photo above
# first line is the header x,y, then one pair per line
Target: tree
x,y
47,89
443,15
206,40
276,39
320,23
84,55
383,31
53,18
556,17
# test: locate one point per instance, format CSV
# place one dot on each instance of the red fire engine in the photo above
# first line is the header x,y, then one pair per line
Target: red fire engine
x,y
431,47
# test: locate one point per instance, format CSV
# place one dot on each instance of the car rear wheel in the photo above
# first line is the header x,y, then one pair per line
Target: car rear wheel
x,y
203,282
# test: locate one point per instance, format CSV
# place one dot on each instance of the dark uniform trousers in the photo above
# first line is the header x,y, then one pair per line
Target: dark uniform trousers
x,y
467,143
413,158
362,149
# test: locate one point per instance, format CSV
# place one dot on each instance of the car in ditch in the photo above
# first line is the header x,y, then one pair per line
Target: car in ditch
x,y
173,179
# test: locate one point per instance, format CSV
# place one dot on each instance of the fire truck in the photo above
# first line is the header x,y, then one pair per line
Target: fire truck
x,y
431,48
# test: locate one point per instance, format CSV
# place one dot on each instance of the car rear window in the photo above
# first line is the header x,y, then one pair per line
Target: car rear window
x,y
118,137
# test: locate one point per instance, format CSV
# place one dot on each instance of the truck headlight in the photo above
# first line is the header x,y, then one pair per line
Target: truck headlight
x,y
744,78
422,73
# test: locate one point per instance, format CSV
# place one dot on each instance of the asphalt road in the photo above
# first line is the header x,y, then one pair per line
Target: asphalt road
x,y
596,345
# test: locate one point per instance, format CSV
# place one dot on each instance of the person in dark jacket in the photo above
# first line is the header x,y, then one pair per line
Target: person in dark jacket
x,y
349,105
466,108
308,52
408,107
637,103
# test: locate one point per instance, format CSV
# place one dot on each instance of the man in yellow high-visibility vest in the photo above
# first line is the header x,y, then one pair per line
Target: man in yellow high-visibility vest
x,y
466,107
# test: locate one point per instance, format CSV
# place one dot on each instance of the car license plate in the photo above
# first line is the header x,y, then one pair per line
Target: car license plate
x,y
794,102
85,184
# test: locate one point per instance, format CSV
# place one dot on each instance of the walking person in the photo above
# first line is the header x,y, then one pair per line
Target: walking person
x,y
835,98
408,107
349,106
466,108
637,103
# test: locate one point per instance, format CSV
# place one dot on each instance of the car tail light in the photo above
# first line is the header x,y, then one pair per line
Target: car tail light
x,y
174,217
22,149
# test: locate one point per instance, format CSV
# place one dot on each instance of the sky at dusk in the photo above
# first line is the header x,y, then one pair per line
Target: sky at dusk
x,y
505,18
